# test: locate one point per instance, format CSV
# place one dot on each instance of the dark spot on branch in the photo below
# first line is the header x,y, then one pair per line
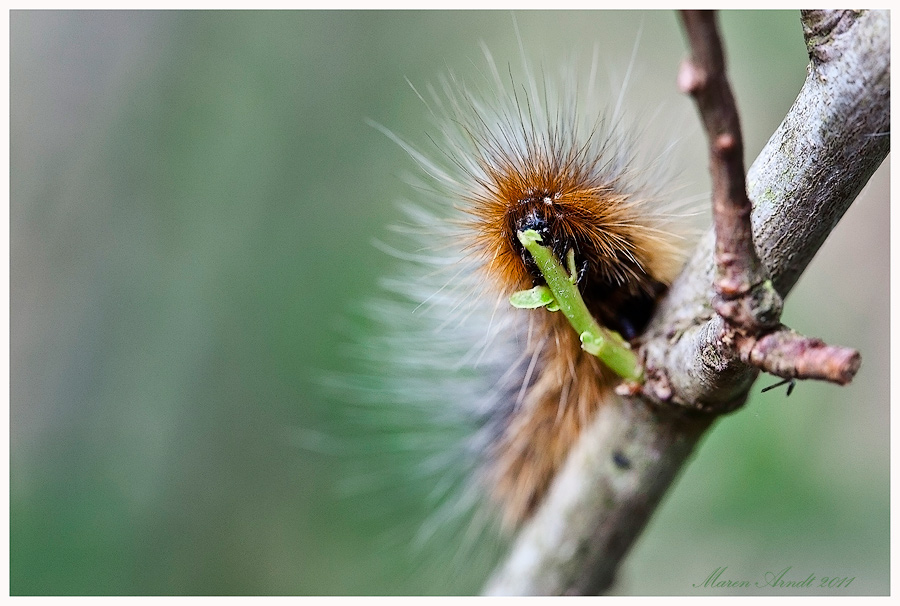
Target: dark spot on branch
x,y
621,461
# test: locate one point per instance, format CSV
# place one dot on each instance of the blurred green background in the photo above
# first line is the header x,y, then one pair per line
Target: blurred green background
x,y
193,198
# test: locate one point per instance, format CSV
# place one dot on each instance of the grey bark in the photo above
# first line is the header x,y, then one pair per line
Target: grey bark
x,y
833,139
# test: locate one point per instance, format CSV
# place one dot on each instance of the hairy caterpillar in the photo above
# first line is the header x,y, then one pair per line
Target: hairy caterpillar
x,y
513,157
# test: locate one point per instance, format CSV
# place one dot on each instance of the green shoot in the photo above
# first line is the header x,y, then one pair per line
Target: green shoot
x,y
562,293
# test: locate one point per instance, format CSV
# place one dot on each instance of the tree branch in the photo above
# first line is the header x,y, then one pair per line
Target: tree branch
x,y
745,296
832,140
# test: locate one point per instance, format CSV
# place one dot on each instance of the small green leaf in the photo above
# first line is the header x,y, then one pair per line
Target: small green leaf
x,y
591,343
539,296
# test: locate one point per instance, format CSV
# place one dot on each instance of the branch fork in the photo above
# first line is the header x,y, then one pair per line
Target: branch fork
x,y
745,296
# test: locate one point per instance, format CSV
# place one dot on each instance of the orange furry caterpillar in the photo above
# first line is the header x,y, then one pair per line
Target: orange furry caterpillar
x,y
527,160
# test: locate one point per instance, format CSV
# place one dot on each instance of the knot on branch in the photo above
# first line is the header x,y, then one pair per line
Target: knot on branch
x,y
820,27
725,145
691,79
752,311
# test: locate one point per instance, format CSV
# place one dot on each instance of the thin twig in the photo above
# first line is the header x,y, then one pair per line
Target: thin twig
x,y
739,271
786,354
